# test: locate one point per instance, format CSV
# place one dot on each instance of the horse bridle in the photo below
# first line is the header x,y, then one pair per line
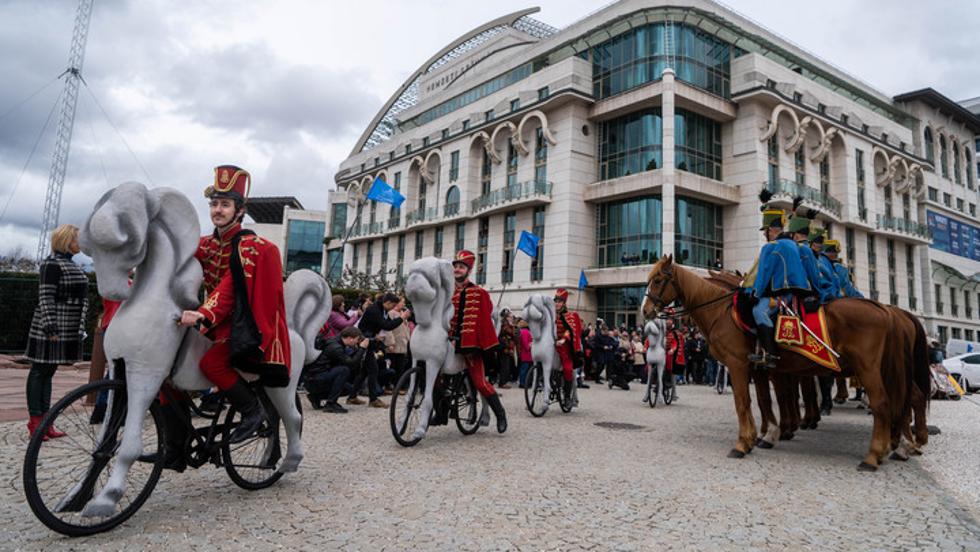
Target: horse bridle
x,y
659,303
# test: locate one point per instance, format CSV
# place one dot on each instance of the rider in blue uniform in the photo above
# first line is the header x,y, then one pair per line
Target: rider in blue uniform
x,y
831,249
778,274
799,228
817,239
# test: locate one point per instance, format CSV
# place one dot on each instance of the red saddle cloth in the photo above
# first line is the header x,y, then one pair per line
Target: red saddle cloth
x,y
791,336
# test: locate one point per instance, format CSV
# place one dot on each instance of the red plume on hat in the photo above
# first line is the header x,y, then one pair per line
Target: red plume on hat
x,y
229,182
466,257
561,294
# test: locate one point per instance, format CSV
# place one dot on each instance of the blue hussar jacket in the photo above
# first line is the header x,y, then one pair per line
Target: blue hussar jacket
x,y
824,287
779,270
826,267
847,289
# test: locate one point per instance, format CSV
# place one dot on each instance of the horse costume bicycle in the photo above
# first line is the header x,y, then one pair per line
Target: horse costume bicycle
x,y
453,331
545,384
157,232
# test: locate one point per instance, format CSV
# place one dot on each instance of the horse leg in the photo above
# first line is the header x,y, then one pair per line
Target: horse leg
x,y
743,407
919,412
880,436
780,385
141,389
546,367
811,406
770,428
425,410
284,400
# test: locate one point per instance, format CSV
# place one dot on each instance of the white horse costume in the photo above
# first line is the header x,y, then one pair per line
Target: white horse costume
x,y
539,312
655,331
157,232
430,286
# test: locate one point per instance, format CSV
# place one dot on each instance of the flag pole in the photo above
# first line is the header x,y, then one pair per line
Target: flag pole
x,y
350,230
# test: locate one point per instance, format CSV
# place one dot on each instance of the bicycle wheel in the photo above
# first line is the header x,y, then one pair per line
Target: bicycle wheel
x,y
62,475
466,408
534,392
653,391
404,421
253,464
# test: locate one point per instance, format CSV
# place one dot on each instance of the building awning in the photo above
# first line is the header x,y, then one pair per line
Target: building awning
x,y
268,210
947,275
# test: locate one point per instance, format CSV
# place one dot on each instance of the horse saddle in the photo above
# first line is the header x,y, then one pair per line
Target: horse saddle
x,y
812,341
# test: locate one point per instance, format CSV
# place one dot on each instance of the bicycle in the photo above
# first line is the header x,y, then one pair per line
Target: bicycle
x,y
454,397
534,392
60,476
669,389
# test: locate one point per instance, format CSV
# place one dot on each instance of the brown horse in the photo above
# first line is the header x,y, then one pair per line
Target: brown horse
x,y
858,329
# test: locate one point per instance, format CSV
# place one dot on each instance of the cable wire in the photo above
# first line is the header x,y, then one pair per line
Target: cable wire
x,y
28,98
31,155
121,137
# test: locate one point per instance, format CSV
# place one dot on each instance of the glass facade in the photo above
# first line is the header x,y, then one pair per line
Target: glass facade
x,y
773,156
697,144
639,56
537,228
460,236
507,267
437,244
628,232
454,166
419,243
620,306
338,220
511,164
395,213
304,245
699,240
335,264
540,156
859,167
631,144
452,202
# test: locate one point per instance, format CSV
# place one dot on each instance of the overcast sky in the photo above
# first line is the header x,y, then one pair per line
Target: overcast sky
x,y
285,88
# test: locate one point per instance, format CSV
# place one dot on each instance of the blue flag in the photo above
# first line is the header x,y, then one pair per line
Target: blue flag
x,y
582,282
528,244
383,193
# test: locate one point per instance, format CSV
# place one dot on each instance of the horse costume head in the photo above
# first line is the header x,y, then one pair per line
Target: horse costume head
x,y
539,311
122,224
661,289
307,297
430,286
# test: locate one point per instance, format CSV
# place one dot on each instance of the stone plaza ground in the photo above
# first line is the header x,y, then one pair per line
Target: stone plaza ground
x,y
560,483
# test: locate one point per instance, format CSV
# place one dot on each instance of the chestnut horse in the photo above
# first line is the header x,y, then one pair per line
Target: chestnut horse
x,y
858,329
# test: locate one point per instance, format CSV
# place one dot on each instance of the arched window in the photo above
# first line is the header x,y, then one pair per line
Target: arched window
x,y
943,158
969,167
929,146
956,164
452,201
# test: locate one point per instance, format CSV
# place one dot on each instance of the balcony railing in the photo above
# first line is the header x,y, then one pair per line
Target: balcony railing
x,y
904,226
450,209
813,195
421,215
394,223
521,190
367,228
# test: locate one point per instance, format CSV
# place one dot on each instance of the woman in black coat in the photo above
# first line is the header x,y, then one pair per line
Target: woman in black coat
x,y
58,325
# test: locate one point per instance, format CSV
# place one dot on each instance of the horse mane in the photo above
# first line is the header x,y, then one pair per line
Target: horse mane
x,y
725,279
179,220
308,300
550,314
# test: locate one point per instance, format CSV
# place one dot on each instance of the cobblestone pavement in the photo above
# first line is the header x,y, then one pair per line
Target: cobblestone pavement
x,y
560,483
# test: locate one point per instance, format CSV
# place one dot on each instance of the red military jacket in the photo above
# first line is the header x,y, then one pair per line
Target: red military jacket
x,y
562,331
262,265
471,328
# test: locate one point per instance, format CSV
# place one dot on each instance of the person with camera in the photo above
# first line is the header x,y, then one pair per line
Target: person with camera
x,y
374,321
326,376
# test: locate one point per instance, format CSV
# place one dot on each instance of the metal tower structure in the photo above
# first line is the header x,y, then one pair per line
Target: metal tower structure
x,y
66,122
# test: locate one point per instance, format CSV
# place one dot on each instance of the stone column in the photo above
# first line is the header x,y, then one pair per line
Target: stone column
x,y
667,193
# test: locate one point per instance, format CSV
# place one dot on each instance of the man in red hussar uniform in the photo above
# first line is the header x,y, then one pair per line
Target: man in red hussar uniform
x,y
568,331
244,313
472,331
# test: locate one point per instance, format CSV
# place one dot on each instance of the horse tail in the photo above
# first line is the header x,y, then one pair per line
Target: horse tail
x,y
308,302
920,357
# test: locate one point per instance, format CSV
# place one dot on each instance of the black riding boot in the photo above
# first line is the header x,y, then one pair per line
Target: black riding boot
x,y
568,387
248,404
498,412
174,439
766,336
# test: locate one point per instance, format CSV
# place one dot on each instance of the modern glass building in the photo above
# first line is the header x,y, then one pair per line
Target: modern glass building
x,y
649,127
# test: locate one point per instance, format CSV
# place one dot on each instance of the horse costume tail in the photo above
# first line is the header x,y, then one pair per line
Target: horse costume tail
x,y
308,300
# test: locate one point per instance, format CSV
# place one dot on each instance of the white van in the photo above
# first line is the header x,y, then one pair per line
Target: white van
x,y
955,347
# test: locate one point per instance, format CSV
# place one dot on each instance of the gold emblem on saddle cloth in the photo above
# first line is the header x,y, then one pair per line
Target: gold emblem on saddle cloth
x,y
788,330
791,335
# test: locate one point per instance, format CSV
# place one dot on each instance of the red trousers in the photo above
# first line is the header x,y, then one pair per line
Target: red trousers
x,y
474,367
216,366
565,354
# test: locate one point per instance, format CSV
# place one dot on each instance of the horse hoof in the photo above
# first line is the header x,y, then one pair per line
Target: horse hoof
x,y
763,444
418,435
934,430
866,467
735,453
916,452
290,464
896,456
99,507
